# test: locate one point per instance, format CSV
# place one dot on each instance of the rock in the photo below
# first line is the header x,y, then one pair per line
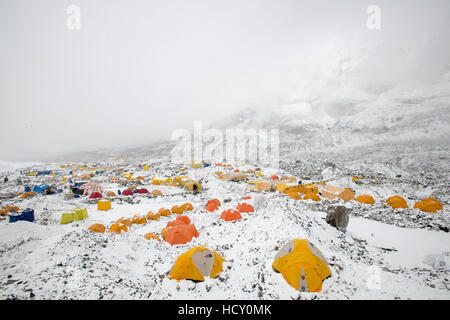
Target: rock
x,y
337,216
261,202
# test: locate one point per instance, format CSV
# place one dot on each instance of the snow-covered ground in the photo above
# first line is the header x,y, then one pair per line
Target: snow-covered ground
x,y
396,139
372,260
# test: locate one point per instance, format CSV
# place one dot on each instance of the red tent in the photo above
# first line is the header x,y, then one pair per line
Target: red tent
x,y
181,234
95,195
180,220
127,192
142,191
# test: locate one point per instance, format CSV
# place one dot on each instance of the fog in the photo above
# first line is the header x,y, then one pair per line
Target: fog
x,y
137,70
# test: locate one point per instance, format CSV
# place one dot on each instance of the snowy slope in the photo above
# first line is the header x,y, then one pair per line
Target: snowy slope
x,y
46,260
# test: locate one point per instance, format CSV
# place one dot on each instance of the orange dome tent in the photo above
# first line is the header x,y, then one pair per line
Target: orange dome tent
x,y
294,195
180,220
181,234
396,202
118,228
245,207
184,219
6,210
139,220
126,222
365,198
215,200
153,216
164,212
211,207
97,227
177,209
110,194
429,205
164,232
230,215
150,236
27,195
274,177
187,207
156,192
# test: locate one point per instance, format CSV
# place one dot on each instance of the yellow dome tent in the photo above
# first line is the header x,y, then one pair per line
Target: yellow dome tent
x,y
281,187
429,205
197,263
302,265
365,198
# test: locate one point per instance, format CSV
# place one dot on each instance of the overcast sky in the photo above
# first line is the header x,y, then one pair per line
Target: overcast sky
x,y
137,70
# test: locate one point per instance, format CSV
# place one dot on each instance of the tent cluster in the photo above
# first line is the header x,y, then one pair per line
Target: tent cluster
x,y
301,264
178,231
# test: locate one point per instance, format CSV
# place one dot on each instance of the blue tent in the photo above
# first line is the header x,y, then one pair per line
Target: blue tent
x,y
78,184
41,188
44,172
26,215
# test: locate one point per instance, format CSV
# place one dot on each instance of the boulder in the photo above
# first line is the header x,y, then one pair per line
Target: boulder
x,y
337,216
